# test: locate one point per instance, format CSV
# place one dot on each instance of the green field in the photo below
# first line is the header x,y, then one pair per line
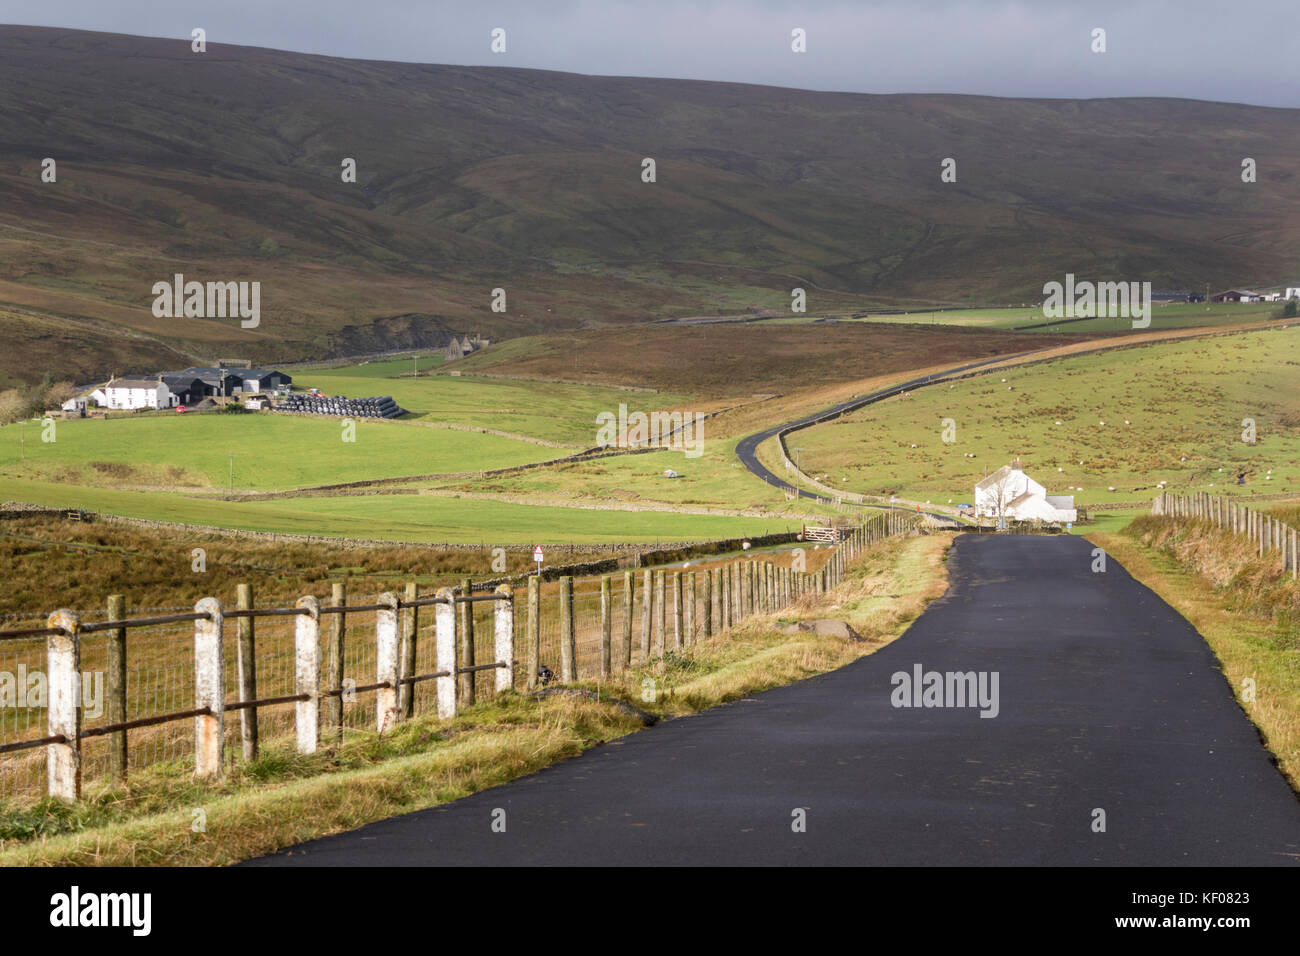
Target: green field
x,y
271,451
401,517
1172,412
550,411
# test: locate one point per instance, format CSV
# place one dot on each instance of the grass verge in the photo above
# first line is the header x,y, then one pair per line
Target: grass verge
x,y
285,798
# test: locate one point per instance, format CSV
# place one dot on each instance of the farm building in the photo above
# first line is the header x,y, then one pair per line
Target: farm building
x,y
1237,295
1292,293
134,393
199,383
1010,493
463,345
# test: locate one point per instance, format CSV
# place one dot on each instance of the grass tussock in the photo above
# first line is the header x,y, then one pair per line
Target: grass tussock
x,y
285,798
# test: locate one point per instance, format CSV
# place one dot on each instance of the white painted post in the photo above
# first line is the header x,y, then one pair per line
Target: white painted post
x,y
445,651
306,649
63,716
209,688
503,621
386,654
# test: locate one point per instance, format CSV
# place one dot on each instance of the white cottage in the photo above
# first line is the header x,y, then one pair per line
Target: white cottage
x,y
1010,493
134,393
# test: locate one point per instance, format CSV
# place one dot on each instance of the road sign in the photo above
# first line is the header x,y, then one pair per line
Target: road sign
x,y
537,554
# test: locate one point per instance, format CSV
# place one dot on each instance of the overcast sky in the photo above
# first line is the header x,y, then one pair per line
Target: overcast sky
x,y
1245,51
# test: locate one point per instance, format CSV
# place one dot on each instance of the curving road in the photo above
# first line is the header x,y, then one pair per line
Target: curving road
x,y
1116,742
747,449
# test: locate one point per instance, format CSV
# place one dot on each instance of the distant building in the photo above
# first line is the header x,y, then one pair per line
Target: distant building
x,y
1292,293
130,394
199,383
463,345
1237,295
1012,494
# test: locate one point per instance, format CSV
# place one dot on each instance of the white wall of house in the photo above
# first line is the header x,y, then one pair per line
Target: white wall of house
x,y
133,398
990,501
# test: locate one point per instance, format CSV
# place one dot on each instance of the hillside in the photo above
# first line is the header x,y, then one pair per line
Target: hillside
x,y
226,166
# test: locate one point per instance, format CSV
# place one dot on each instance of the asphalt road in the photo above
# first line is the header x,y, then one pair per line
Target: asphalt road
x,y
1107,700
747,449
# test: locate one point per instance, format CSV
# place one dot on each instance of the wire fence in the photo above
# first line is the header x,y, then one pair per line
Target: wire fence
x,y
99,696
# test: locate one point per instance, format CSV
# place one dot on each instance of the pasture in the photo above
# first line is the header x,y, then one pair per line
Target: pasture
x,y
1122,420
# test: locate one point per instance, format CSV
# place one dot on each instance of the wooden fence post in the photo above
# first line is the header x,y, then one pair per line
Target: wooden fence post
x,y
534,638
624,655
606,627
677,610
386,662
706,603
568,645
209,688
647,612
306,648
334,664
63,710
246,670
116,689
409,622
691,598
503,634
661,612
466,681
444,623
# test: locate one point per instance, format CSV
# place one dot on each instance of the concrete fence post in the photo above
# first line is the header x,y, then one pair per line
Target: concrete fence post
x,y
115,688
466,682
606,627
503,634
409,624
334,660
306,651
534,637
246,670
445,660
624,655
209,688
647,612
63,710
568,645
386,662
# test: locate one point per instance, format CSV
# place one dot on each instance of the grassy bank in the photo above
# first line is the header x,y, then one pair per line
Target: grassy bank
x,y
284,798
1247,611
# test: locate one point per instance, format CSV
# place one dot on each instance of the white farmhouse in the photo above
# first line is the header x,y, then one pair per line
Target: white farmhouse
x,y
1292,293
134,393
1010,493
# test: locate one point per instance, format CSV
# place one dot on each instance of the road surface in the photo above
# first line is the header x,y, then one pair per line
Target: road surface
x,y
1107,701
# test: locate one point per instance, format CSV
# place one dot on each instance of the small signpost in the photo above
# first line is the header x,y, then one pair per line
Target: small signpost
x,y
537,556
